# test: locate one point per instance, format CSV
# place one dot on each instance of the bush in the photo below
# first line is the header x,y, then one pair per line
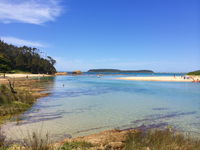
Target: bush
x,y
160,140
36,141
2,140
76,145
14,103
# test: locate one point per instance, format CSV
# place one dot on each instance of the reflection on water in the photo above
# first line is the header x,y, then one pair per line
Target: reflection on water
x,y
81,105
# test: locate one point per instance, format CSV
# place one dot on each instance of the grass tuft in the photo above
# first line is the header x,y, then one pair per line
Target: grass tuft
x,y
76,146
160,140
2,140
13,103
36,141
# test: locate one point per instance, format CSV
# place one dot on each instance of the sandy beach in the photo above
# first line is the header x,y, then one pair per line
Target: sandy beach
x,y
25,75
163,78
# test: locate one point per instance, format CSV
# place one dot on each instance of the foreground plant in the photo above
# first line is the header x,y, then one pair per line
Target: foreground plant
x,y
76,146
36,141
13,101
160,140
2,140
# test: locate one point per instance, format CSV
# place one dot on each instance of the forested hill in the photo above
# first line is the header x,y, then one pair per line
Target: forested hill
x,y
25,59
194,73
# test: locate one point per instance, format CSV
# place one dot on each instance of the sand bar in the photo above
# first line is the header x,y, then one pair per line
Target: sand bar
x,y
24,75
163,78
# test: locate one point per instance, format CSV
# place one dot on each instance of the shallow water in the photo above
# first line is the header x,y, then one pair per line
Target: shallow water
x,y
80,105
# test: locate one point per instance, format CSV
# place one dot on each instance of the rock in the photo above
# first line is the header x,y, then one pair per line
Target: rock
x,y
76,72
105,140
116,145
61,73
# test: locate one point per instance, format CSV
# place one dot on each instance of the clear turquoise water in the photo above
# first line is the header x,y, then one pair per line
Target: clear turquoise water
x,y
81,105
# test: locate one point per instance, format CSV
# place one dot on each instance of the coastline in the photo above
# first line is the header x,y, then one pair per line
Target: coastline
x,y
23,85
106,139
24,75
163,78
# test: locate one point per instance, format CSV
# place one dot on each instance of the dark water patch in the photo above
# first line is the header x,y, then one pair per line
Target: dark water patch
x,y
44,116
196,124
41,106
143,127
91,129
156,117
140,120
97,90
160,125
37,120
37,117
61,137
160,108
153,126
170,115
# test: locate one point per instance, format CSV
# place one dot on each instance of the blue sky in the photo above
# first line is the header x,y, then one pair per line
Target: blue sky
x,y
161,35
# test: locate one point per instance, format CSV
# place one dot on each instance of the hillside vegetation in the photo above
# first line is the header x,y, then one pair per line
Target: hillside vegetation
x,y
194,73
25,59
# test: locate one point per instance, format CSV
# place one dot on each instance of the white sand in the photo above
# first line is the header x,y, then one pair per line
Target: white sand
x,y
161,78
24,75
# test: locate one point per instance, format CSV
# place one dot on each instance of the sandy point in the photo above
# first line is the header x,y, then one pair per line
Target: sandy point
x,y
164,78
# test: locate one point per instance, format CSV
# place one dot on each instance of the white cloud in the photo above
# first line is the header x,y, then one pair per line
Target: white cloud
x,y
21,42
29,11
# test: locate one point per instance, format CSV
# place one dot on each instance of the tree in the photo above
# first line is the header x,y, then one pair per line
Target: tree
x,y
4,64
24,58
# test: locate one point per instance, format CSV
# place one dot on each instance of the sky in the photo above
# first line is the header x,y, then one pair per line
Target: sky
x,y
160,35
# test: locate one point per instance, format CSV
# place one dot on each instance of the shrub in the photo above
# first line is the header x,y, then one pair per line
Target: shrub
x,y
160,140
36,141
76,145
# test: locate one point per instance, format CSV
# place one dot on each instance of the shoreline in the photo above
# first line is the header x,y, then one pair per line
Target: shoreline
x,y
24,75
163,78
24,85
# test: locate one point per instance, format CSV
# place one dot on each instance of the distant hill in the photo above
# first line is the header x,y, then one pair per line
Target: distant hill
x,y
194,73
120,71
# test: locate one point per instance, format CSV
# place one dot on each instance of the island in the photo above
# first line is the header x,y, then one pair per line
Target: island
x,y
120,71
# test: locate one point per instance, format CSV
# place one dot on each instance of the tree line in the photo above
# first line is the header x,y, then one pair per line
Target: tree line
x,y
25,59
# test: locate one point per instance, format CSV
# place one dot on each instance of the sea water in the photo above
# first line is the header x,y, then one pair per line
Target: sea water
x,y
85,104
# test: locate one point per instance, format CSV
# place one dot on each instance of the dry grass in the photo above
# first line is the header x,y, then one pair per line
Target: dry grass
x,y
76,146
14,103
160,140
36,141
2,140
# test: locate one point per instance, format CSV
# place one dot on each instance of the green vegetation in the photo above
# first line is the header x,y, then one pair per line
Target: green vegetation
x,y
194,73
36,142
120,71
13,101
140,140
160,140
24,59
76,146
